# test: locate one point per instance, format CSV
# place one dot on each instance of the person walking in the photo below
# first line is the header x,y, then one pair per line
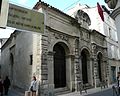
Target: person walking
x,y
118,82
34,86
6,85
1,87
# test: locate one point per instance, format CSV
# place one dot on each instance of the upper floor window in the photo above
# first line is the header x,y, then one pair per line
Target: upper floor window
x,y
110,33
31,59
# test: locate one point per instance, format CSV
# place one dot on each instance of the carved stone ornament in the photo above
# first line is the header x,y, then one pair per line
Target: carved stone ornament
x,y
81,15
93,47
61,36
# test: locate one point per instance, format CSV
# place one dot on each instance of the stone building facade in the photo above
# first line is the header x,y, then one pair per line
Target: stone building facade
x,y
67,52
115,14
107,28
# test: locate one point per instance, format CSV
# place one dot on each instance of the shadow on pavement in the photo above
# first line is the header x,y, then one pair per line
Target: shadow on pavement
x,y
107,92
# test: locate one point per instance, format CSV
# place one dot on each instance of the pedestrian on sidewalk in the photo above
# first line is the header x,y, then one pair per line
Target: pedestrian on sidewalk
x,y
118,82
34,86
1,87
6,84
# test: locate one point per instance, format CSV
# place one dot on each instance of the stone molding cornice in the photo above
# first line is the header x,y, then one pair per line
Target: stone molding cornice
x,y
60,32
115,13
104,47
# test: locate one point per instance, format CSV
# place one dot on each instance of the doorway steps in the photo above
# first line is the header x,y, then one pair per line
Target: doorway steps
x,y
61,91
88,86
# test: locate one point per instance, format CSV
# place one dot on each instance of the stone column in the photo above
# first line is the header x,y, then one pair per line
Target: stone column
x,y
76,71
47,85
90,71
70,72
79,76
51,73
107,70
51,67
95,72
106,67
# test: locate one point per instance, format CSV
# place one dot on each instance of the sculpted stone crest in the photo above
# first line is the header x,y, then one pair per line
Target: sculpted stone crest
x,y
81,15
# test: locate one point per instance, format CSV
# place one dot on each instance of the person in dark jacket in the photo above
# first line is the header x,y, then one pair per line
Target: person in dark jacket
x,y
1,87
118,82
6,84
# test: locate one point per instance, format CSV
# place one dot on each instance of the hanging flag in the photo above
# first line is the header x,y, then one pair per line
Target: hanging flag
x,y
100,11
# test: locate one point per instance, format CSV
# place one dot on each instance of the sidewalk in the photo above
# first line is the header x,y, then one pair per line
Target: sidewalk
x,y
13,92
89,91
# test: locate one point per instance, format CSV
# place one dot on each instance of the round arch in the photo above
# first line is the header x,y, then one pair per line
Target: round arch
x,y
65,45
99,61
85,65
85,48
60,65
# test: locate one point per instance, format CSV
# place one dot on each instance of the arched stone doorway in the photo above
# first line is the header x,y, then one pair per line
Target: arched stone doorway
x,y
99,60
85,60
59,66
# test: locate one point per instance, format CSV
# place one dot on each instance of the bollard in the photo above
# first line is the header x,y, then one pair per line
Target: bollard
x,y
28,93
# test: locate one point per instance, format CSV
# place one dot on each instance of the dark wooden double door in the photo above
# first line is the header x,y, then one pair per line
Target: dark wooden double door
x,y
59,66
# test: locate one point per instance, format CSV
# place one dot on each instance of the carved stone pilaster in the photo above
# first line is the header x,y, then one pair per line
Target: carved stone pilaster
x,y
44,59
50,56
95,65
51,53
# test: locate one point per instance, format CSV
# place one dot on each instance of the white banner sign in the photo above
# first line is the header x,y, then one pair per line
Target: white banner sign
x,y
4,13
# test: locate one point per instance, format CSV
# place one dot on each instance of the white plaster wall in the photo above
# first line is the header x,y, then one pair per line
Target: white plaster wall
x,y
110,23
22,68
0,53
5,62
103,27
96,22
117,22
118,4
25,44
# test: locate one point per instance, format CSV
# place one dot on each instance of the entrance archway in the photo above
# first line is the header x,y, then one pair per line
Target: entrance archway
x,y
99,60
84,61
59,66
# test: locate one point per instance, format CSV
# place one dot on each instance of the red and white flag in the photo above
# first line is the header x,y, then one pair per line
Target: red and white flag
x,y
100,11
